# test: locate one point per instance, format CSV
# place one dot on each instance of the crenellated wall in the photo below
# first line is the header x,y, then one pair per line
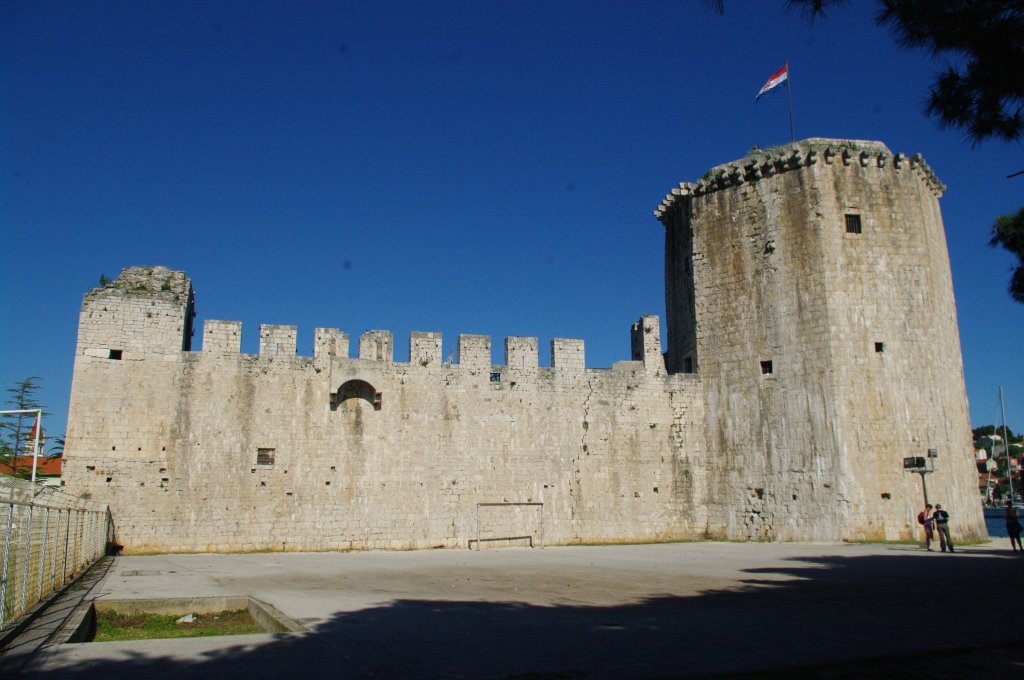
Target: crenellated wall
x,y
811,345
224,451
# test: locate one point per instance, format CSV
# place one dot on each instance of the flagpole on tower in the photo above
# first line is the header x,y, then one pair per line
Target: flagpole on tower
x,y
789,95
778,78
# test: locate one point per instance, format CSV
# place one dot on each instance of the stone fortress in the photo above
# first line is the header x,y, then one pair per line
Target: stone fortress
x,y
812,344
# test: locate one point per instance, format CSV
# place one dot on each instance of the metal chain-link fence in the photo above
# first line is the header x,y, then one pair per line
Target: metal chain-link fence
x,y
49,537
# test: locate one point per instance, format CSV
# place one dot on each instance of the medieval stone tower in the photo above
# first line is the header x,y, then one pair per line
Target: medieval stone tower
x,y
811,346
809,286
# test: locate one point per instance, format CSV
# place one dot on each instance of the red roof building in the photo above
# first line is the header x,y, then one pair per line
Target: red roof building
x,y
47,467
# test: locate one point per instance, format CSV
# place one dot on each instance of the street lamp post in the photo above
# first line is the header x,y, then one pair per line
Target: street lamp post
x,y
922,465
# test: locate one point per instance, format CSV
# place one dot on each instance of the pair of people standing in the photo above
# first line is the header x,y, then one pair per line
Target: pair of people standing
x,y
936,520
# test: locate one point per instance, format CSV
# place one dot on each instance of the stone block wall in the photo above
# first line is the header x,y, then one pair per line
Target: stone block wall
x,y
252,452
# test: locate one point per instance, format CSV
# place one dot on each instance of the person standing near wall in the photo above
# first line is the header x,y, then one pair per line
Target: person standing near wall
x,y
927,520
1013,526
941,518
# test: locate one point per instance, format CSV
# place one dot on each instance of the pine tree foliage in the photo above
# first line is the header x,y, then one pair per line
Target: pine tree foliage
x,y
981,90
1008,232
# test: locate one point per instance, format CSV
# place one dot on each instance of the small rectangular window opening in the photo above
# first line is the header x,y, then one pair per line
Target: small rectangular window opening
x,y
115,354
766,367
265,456
879,347
853,224
495,377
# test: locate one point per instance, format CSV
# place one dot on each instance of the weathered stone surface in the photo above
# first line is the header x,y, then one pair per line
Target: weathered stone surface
x,y
804,362
858,323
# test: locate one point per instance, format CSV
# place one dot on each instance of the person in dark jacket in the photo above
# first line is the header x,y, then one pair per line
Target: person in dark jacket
x,y
941,518
1013,526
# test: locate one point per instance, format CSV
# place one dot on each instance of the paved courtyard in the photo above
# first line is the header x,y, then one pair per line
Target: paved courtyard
x,y
644,611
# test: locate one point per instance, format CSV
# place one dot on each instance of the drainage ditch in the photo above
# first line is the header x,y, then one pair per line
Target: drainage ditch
x,y
81,625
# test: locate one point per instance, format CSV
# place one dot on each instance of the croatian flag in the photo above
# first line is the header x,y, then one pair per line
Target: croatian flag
x,y
777,79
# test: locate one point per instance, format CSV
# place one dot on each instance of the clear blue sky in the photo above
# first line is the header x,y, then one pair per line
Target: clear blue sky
x,y
467,167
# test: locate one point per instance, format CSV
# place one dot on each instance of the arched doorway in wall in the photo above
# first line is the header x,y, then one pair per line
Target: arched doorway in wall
x,y
353,393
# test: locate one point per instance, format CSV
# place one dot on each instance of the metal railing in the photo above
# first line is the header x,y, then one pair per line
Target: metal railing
x,y
49,537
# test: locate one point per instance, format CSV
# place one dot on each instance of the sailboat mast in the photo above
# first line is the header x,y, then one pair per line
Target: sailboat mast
x,y
1006,444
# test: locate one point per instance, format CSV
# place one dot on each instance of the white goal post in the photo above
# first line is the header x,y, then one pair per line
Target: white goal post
x,y
36,434
529,537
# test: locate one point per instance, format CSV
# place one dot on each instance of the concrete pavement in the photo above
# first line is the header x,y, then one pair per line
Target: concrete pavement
x,y
668,610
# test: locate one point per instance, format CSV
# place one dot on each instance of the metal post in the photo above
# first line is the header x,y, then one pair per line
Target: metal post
x,y
35,448
478,526
78,542
53,558
789,95
83,551
92,535
42,555
542,525
7,553
1006,445
28,555
87,537
67,539
924,485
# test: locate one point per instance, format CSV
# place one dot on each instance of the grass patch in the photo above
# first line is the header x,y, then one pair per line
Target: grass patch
x,y
112,626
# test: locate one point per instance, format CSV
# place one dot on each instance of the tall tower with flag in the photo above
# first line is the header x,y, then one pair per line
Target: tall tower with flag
x,y
809,287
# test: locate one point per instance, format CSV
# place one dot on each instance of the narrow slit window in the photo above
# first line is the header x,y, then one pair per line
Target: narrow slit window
x,y
853,224
265,456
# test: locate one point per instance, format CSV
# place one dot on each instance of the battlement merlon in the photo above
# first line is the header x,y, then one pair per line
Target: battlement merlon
x,y
568,355
763,163
330,342
521,354
377,346
222,337
475,352
645,338
425,348
278,340
150,310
